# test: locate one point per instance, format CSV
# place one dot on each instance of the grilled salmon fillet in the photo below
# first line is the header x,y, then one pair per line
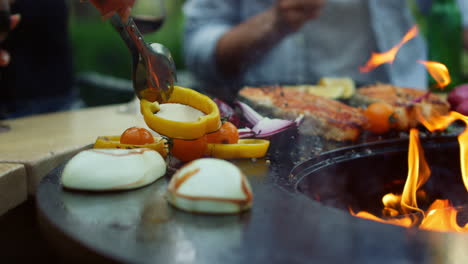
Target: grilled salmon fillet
x,y
324,117
406,102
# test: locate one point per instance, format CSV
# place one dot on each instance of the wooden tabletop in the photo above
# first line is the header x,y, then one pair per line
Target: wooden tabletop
x,y
12,186
40,143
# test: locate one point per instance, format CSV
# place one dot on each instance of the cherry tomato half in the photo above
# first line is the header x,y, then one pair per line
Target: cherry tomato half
x,y
136,136
379,116
227,134
188,150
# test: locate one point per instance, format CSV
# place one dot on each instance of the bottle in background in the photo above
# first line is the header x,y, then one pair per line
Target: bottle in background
x,y
149,15
445,39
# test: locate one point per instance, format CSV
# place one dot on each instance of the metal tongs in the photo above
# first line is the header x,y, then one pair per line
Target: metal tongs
x,y
153,69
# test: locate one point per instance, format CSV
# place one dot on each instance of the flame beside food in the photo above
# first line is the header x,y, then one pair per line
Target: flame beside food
x,y
403,209
378,59
438,71
440,123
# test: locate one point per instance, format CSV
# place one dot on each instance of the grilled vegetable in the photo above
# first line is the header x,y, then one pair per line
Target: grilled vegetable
x,y
208,123
458,99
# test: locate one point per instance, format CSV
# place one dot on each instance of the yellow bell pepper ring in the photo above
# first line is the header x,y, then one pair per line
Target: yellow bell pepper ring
x,y
159,144
208,123
245,148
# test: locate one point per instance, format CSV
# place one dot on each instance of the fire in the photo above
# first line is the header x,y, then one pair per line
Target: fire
x,y
438,71
418,174
378,59
440,123
403,209
442,216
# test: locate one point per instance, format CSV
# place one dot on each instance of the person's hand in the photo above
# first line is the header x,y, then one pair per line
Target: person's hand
x,y
4,55
109,7
292,14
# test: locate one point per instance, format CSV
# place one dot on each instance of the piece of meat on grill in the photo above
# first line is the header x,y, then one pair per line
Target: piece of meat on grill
x,y
405,102
324,117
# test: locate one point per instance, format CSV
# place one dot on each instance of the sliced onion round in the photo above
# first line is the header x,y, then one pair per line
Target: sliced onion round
x,y
211,186
113,169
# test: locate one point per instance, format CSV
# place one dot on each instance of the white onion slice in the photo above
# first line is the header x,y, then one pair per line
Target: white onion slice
x,y
113,169
211,186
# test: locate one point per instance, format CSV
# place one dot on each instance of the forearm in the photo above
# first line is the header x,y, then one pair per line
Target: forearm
x,y
247,41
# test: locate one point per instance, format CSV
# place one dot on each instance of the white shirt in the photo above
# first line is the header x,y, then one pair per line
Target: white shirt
x,y
335,44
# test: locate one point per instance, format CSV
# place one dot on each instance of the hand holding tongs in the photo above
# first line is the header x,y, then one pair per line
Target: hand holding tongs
x,y
153,69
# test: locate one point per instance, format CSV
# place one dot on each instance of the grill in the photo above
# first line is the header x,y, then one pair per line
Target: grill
x,y
299,214
358,177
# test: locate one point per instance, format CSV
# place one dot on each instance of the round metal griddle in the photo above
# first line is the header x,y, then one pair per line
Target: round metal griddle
x,y
284,226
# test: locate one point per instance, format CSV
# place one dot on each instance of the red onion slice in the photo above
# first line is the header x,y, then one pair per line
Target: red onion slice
x,y
245,132
268,127
227,112
250,115
264,127
299,119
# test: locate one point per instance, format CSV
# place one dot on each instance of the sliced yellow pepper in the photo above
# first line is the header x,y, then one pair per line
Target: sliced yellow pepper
x,y
245,148
159,144
208,123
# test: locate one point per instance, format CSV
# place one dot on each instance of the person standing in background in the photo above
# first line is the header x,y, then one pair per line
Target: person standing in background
x,y
39,76
232,43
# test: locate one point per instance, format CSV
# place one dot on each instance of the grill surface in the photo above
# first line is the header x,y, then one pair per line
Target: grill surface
x,y
284,225
360,176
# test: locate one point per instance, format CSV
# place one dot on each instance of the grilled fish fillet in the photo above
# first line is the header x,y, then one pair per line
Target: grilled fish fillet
x,y
405,102
324,117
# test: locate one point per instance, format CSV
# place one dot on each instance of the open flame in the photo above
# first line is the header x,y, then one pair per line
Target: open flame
x,y
378,59
440,123
403,209
438,71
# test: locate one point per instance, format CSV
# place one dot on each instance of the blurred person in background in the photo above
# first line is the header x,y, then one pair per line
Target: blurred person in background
x,y
39,76
232,43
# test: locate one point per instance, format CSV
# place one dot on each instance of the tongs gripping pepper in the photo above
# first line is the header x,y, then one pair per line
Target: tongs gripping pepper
x,y
208,123
153,68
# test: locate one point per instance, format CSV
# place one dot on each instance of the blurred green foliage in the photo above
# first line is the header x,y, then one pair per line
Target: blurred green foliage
x,y
97,47
422,23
